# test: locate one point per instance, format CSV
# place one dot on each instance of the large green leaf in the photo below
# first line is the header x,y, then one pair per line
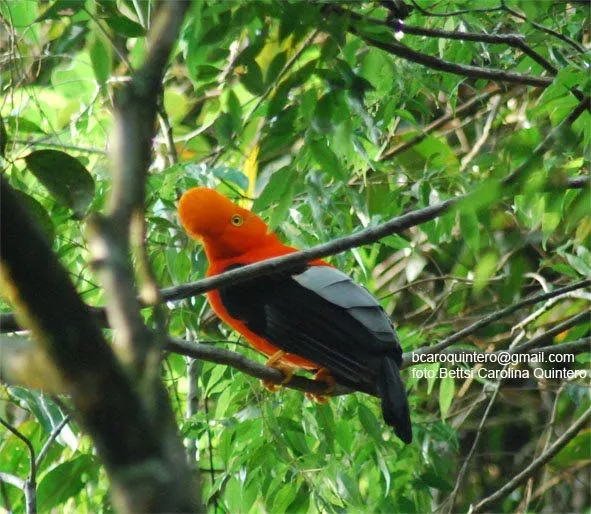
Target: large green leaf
x,y
64,481
65,177
38,212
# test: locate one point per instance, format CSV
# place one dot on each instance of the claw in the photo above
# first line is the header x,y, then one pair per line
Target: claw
x,y
322,375
275,362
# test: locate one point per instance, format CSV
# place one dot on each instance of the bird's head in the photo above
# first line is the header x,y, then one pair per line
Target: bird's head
x,y
226,229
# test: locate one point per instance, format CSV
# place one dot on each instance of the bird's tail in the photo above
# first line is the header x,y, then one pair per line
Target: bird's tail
x,y
394,402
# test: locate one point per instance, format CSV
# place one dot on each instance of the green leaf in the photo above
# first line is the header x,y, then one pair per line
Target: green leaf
x,y
275,189
231,175
436,481
284,497
252,80
327,160
470,230
65,178
485,269
482,196
446,394
100,56
275,68
235,110
124,26
16,124
370,423
61,8
64,481
38,212
385,472
21,14
279,214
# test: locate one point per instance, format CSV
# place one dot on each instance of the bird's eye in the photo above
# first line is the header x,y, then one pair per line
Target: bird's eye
x,y
237,220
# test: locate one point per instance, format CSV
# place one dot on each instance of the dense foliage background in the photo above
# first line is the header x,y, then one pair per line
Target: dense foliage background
x,y
325,119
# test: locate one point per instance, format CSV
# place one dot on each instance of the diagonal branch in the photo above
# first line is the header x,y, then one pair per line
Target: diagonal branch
x,y
491,318
245,365
465,70
341,244
398,25
557,329
440,122
530,470
547,30
134,433
29,486
136,106
548,141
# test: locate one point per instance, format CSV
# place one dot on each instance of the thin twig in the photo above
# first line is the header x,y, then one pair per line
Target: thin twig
x,y
44,142
464,108
530,470
547,30
582,317
485,133
465,70
52,437
514,40
576,295
29,486
548,141
491,318
452,497
12,480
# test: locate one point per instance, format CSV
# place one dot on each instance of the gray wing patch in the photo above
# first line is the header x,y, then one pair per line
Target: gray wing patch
x,y
337,288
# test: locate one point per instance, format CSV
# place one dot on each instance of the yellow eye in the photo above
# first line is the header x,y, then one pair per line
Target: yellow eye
x,y
237,220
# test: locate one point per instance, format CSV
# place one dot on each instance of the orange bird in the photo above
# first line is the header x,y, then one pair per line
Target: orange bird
x,y
313,317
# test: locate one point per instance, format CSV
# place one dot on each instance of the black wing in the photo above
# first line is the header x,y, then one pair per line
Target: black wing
x,y
321,315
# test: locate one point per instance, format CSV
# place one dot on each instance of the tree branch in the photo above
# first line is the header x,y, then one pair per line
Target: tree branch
x,y
254,369
8,322
452,497
547,30
581,345
29,486
398,25
530,470
52,437
443,120
341,244
548,141
465,70
491,318
136,106
548,335
134,433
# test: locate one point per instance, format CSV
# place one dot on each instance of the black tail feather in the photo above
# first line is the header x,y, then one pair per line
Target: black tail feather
x,y
394,402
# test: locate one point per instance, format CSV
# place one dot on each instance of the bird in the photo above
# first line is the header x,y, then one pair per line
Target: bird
x,y
311,317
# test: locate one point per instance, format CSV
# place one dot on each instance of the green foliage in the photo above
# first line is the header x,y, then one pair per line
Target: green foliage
x,y
278,102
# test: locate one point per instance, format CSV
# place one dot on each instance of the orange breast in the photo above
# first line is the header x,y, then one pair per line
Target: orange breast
x,y
260,343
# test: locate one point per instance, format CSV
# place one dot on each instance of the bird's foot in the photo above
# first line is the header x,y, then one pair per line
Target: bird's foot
x,y
275,362
323,375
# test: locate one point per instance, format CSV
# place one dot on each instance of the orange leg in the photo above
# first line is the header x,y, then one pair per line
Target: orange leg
x,y
322,375
275,362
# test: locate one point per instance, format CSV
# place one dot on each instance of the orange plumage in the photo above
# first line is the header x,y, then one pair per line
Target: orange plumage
x,y
213,219
312,317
